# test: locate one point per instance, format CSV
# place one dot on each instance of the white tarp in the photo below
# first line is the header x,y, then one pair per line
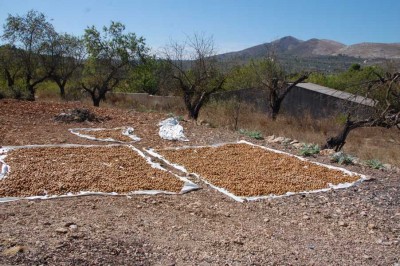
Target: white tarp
x,y
3,166
126,131
171,130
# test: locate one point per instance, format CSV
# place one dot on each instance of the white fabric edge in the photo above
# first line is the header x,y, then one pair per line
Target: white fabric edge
x,y
125,131
5,168
271,196
187,186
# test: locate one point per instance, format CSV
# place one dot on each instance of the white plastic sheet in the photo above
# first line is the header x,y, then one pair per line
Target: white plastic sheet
x,y
3,166
242,199
171,130
126,131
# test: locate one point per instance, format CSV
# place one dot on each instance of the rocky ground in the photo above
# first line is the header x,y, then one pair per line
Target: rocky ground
x,y
355,226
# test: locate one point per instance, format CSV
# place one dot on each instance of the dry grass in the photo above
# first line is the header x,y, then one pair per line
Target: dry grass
x,y
365,143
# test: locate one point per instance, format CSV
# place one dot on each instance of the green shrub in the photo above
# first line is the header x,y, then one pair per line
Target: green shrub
x,y
375,164
309,150
342,158
251,134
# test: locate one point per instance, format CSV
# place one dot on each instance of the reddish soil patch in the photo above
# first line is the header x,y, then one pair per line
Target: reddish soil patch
x,y
24,123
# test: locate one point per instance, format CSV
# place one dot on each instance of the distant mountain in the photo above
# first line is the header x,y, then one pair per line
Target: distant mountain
x,y
316,47
372,50
316,54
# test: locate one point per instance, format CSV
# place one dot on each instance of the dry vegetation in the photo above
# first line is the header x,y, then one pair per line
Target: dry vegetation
x,y
57,171
365,143
247,170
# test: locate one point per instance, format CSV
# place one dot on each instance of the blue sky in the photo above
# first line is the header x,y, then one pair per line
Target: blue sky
x,y
235,24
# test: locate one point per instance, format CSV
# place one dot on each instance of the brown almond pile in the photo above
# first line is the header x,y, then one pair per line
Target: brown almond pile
x,y
115,134
57,171
246,170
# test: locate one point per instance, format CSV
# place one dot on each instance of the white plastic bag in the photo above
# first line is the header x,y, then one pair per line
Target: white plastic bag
x,y
171,130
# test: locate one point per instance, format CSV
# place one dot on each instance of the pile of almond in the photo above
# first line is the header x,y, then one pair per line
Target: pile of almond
x,y
247,170
57,171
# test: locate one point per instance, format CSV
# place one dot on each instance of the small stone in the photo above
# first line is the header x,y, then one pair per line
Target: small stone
x,y
270,139
343,224
73,227
306,217
266,220
372,226
278,140
363,213
14,250
327,152
61,230
367,257
298,145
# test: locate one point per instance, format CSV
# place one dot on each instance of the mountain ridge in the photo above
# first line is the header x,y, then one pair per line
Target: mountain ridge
x,y
292,46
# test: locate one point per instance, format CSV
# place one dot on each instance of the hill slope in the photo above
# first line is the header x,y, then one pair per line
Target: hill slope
x,y
317,54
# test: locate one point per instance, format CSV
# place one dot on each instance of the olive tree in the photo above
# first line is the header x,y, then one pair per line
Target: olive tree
x,y
110,55
194,67
30,35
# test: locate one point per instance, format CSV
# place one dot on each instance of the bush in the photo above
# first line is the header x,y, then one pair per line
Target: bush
x,y
375,164
251,134
342,158
309,150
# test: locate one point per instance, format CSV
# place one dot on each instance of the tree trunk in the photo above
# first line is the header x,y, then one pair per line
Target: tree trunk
x,y
31,95
194,114
62,92
339,140
96,101
275,108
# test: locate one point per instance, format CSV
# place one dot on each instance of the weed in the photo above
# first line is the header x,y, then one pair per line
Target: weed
x,y
342,158
251,134
309,150
375,164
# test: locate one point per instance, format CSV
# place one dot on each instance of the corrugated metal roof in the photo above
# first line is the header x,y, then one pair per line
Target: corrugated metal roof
x,y
336,93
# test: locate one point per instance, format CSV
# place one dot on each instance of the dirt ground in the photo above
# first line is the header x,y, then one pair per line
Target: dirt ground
x,y
355,226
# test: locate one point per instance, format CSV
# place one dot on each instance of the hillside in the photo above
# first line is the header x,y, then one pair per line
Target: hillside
x,y
317,54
